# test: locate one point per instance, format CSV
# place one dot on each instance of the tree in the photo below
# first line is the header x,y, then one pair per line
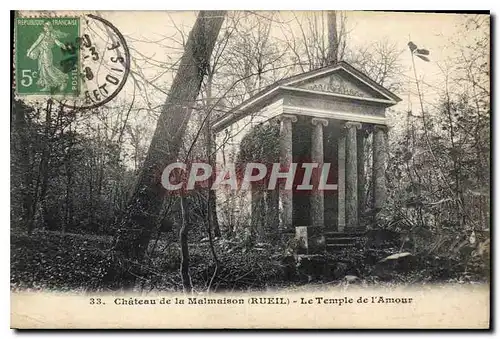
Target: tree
x,y
321,41
381,61
334,46
21,175
439,164
137,225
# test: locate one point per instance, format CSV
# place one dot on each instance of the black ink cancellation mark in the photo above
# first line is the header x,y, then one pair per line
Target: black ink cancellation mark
x,y
104,64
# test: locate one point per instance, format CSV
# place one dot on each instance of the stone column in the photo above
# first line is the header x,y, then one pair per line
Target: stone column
x,y
341,181
317,198
379,154
351,171
361,171
286,208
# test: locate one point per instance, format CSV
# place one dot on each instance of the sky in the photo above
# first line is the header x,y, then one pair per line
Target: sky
x,y
157,35
427,30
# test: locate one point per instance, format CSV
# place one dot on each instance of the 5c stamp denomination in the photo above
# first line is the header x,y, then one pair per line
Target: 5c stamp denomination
x,y
46,63
83,61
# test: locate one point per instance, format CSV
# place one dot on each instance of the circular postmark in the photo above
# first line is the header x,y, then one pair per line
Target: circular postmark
x,y
99,59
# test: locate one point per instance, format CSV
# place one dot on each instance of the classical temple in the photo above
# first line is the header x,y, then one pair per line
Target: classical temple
x,y
324,116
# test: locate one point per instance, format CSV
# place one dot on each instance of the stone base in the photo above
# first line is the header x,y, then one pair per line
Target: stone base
x,y
311,239
312,267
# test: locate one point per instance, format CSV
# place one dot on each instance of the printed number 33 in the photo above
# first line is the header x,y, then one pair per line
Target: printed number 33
x,y
96,301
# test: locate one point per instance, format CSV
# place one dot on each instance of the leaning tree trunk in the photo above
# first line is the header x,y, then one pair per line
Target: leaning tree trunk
x,y
137,225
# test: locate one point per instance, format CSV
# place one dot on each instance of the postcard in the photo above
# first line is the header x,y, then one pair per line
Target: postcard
x,y
250,170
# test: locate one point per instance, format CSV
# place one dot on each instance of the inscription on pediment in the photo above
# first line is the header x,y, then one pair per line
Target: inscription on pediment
x,y
336,84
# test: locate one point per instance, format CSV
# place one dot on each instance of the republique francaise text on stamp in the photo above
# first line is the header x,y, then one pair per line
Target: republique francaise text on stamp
x,y
81,61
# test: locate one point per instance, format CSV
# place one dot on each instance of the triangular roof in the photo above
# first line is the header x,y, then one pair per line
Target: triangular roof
x,y
362,88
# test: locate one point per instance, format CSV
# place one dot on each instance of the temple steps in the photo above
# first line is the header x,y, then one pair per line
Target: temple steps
x,y
338,241
334,247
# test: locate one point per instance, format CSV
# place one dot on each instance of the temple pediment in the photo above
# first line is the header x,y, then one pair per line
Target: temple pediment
x,y
339,90
338,83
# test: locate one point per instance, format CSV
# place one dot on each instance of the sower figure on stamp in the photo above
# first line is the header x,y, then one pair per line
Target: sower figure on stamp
x,y
49,75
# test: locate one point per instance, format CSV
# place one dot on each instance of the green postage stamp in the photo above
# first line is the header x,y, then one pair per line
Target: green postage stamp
x,y
46,56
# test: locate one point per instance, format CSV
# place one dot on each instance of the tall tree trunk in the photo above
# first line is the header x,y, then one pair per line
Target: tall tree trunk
x,y
213,221
68,214
44,166
187,285
333,38
136,228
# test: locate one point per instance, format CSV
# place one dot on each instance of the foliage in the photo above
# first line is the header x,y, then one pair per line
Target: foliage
x,y
241,267
439,163
260,144
48,260
62,178
72,173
